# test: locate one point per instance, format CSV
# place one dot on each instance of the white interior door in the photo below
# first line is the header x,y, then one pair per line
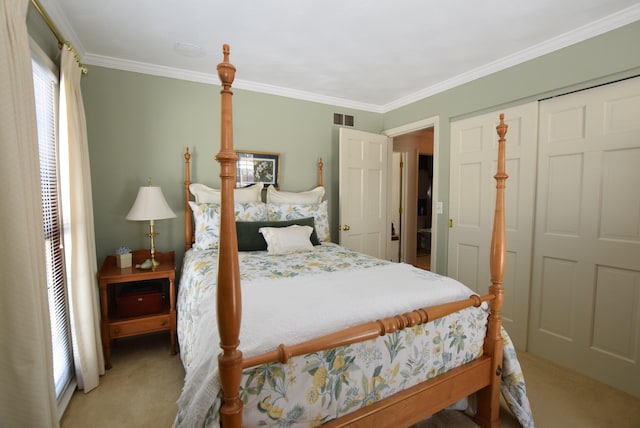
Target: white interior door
x,y
586,279
363,192
474,153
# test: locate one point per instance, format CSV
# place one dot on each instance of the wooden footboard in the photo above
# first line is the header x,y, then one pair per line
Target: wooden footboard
x,y
366,331
402,409
423,400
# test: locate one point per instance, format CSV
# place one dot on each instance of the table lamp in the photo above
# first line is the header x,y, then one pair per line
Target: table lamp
x,y
150,205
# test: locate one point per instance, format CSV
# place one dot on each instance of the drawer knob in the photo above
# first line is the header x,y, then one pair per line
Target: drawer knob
x,y
116,330
163,323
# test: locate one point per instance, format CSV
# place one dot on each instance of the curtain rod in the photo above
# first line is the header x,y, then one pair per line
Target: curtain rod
x,y
61,40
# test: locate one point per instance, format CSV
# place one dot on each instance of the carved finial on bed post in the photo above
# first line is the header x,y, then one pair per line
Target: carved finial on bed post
x,y
229,303
226,70
488,399
320,166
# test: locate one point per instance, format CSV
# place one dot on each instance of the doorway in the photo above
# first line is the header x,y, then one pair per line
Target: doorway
x,y
416,201
425,202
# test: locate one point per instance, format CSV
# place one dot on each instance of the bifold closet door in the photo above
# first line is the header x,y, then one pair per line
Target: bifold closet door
x,y
585,311
474,153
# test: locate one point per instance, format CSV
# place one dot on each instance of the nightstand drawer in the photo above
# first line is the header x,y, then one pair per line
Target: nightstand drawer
x,y
137,304
139,326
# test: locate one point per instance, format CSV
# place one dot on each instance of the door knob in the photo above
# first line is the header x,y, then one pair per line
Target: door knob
x,y
345,228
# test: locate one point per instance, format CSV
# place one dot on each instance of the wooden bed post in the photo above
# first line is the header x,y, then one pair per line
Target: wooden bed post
x,y
229,303
188,216
489,397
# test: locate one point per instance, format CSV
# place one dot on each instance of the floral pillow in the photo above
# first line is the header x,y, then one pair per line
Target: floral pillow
x,y
251,211
282,212
207,220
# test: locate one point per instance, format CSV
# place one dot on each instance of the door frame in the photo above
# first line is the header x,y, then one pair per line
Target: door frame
x,y
430,122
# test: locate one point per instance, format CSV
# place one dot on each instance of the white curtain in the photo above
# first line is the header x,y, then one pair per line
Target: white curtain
x,y
80,246
27,395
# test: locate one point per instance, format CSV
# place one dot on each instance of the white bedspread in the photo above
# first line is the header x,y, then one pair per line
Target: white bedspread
x,y
292,308
356,297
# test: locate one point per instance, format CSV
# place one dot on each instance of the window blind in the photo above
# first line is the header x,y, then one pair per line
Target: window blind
x,y
46,92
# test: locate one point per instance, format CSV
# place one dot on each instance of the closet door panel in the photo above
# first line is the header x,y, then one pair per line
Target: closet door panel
x,y
585,288
474,150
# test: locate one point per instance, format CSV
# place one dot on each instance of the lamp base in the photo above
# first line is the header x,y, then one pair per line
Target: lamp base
x,y
152,234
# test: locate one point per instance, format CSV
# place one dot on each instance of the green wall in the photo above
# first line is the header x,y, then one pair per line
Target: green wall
x,y
42,35
606,58
139,126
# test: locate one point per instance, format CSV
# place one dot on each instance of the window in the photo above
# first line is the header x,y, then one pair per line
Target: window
x,y
46,95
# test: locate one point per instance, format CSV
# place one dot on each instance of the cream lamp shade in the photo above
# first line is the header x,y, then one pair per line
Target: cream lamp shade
x,y
150,205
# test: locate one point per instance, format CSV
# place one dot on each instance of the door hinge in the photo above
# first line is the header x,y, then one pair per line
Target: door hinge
x,y
450,223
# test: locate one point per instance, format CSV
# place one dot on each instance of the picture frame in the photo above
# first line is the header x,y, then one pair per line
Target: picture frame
x,y
254,167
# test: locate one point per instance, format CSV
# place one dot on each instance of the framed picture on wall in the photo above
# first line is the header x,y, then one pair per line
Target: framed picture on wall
x,y
254,167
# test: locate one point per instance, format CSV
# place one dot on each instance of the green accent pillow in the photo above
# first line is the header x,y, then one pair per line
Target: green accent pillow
x,y
250,239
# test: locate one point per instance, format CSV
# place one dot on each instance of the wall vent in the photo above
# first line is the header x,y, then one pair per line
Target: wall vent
x,y
348,120
343,119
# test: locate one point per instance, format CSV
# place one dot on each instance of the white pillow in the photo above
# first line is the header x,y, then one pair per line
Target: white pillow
x,y
205,194
285,240
313,196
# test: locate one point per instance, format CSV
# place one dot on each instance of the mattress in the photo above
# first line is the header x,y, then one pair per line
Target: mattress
x,y
294,297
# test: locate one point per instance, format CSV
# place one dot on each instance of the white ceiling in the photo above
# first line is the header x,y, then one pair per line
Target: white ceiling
x,y
374,55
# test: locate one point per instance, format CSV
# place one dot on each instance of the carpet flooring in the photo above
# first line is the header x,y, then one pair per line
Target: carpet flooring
x,y
141,389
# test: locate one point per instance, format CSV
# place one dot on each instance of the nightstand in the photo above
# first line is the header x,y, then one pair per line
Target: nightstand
x,y
125,312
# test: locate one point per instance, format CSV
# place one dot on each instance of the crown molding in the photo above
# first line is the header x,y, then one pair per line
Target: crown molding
x,y
307,96
593,29
151,69
212,79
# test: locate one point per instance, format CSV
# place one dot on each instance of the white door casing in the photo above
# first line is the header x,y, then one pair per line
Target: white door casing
x,y
474,151
364,166
585,311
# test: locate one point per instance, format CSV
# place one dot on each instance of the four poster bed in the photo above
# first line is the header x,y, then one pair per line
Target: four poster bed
x,y
367,342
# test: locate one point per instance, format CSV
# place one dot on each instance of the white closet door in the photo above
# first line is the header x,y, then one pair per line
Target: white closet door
x,y
474,153
586,279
